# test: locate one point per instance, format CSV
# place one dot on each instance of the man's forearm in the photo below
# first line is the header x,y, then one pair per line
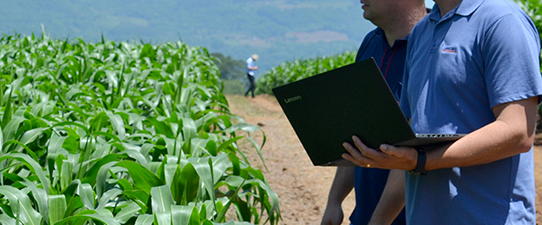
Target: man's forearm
x,y
342,184
341,187
392,200
511,134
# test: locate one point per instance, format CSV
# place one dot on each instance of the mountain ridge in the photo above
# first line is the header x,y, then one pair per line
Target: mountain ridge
x,y
277,30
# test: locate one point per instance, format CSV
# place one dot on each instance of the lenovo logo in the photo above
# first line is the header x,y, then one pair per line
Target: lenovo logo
x,y
292,99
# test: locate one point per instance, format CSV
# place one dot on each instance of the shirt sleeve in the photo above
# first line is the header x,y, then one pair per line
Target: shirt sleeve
x,y
511,60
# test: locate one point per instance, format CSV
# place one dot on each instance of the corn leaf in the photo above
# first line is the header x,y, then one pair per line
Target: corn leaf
x,y
57,208
32,165
109,195
162,218
21,205
142,177
87,195
161,199
185,215
128,212
188,184
85,215
145,220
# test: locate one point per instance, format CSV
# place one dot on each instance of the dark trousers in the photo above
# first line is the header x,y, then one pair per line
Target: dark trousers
x,y
251,85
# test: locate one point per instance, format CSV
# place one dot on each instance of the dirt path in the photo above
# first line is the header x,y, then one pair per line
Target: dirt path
x,y
302,187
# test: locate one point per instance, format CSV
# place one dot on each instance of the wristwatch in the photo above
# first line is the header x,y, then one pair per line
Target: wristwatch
x,y
420,164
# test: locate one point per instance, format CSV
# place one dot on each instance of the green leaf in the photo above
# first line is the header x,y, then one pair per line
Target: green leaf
x,y
12,127
6,220
66,176
99,121
161,199
55,143
124,184
145,220
69,123
32,165
111,194
258,149
138,156
188,184
189,129
185,215
161,127
87,195
211,148
242,126
118,124
74,205
21,205
111,136
90,214
169,172
228,143
127,212
162,218
57,208
137,195
176,185
235,163
203,167
40,196
92,173
142,177
1,141
103,174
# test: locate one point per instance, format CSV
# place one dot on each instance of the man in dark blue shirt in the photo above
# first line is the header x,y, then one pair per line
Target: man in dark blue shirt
x,y
387,45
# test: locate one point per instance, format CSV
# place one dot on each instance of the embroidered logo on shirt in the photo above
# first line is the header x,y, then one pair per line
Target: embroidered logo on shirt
x,y
449,49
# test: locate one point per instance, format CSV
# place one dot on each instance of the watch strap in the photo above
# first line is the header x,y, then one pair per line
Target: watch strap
x,y
420,164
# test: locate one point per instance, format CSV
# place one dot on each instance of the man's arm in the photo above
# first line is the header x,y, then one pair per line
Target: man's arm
x,y
392,200
510,134
340,188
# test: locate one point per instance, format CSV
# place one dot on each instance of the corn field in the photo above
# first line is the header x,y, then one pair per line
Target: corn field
x,y
122,133
288,72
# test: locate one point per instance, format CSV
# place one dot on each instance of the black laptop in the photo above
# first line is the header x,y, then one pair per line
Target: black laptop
x,y
327,109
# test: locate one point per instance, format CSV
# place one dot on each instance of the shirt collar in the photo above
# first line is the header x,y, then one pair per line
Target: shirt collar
x,y
465,8
381,33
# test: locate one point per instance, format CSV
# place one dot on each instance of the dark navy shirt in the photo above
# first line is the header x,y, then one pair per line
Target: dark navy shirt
x,y
369,183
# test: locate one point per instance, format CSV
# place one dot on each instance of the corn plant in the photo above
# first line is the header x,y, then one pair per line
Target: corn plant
x,y
122,133
288,72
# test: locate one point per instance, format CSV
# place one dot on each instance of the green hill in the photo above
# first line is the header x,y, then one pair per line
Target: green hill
x,y
277,30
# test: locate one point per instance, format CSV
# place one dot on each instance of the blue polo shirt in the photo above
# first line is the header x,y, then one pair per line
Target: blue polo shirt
x,y
250,63
369,183
481,54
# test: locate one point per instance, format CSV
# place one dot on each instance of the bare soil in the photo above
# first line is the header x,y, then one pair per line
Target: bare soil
x,y
303,188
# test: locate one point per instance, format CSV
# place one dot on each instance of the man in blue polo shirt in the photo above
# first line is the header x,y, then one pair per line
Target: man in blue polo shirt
x,y
472,67
387,45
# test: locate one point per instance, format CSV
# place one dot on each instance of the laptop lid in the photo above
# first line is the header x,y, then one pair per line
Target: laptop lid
x,y
325,110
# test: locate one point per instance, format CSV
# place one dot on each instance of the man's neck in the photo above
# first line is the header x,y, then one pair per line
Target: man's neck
x,y
403,25
445,6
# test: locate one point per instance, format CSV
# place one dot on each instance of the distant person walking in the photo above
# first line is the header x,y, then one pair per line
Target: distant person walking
x,y
250,73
